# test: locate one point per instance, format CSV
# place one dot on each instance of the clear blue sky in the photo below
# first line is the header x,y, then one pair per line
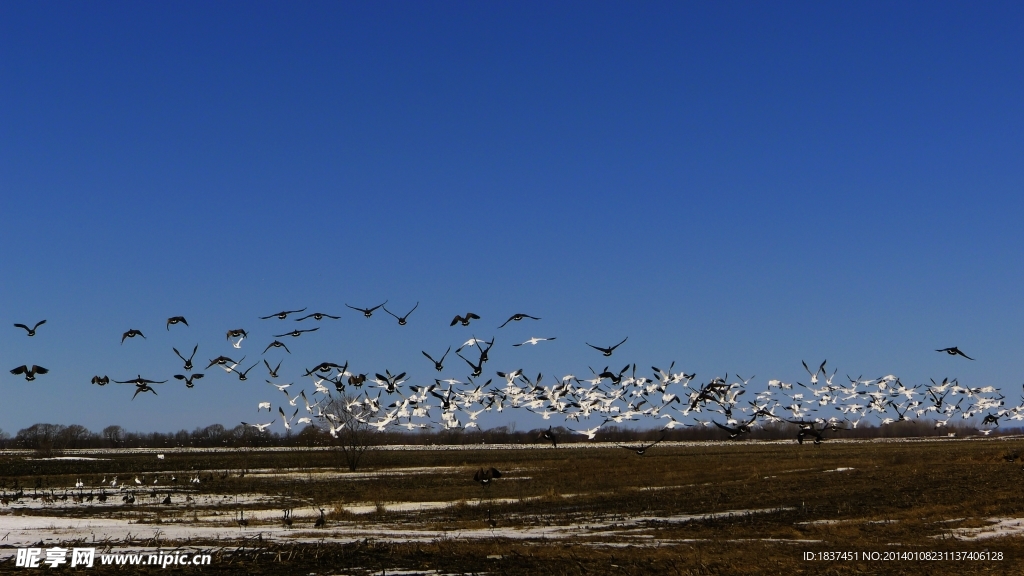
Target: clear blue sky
x,y
736,186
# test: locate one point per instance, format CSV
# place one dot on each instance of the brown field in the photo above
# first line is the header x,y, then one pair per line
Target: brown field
x,y
700,508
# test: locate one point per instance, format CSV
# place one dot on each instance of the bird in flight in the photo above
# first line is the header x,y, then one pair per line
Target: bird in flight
x,y
485,475
273,371
223,361
643,448
31,331
368,311
30,373
237,333
401,319
276,344
132,334
438,364
188,379
141,385
187,361
517,318
176,320
317,316
295,334
464,320
260,427
100,380
533,341
282,315
243,375
954,351
607,351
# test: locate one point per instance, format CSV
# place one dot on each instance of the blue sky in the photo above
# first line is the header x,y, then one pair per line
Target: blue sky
x,y
735,186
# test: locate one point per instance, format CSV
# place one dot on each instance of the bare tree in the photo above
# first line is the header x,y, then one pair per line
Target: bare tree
x,y
348,423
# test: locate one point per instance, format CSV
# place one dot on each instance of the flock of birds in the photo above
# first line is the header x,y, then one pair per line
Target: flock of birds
x,y
342,396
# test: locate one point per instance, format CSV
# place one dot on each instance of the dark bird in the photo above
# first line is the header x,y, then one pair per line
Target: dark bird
x,y
478,368
368,311
741,428
222,361
326,367
464,320
243,375
607,351
141,385
282,315
643,448
237,333
296,333
31,331
321,521
548,436
438,364
188,379
100,380
176,320
273,371
954,351
317,316
132,334
277,344
485,475
187,361
517,318
402,319
357,379
30,373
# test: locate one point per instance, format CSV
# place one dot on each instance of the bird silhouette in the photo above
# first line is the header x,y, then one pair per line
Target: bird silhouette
x,y
31,331
607,351
954,351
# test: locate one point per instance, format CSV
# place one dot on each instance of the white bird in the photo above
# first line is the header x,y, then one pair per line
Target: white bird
x,y
533,341
239,343
260,427
263,405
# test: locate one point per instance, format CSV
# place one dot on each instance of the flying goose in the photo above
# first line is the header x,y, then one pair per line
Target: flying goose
x,y
176,320
517,318
401,319
464,320
368,311
282,315
31,331
30,373
607,351
132,333
954,351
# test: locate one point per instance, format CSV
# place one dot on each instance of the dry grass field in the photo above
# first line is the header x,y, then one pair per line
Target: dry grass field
x,y
683,508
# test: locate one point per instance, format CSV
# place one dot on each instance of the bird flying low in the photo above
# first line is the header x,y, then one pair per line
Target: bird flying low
x,y
954,351
30,373
176,320
485,475
31,331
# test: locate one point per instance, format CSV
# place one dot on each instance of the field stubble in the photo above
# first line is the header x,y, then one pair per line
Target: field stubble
x,y
718,508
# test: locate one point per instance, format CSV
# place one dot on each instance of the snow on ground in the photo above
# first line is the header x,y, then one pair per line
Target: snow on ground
x,y
999,528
